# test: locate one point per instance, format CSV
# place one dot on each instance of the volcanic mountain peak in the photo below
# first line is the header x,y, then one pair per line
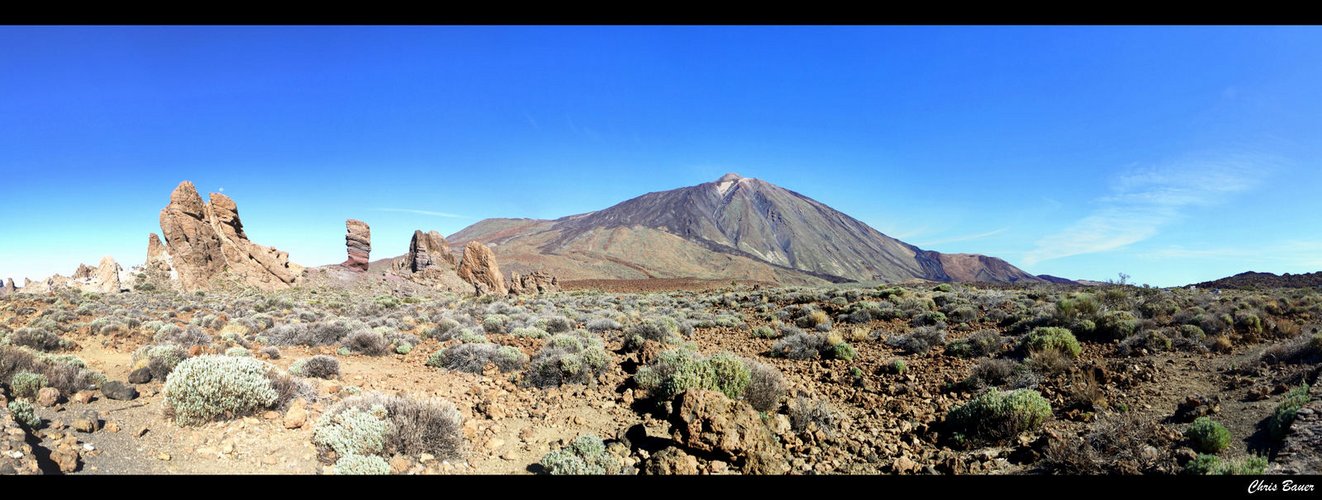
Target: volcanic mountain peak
x,y
733,227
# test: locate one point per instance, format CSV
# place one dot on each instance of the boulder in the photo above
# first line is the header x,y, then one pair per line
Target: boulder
x,y
118,391
297,414
708,422
358,240
205,240
479,268
48,396
88,421
140,376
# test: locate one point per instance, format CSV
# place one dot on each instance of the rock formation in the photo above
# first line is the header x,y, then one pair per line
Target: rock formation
x,y
708,422
358,240
479,268
206,240
9,287
536,282
158,259
426,250
106,279
83,272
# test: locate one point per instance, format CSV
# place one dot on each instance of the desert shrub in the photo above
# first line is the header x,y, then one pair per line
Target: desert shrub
x,y
442,328
311,334
67,373
389,425
24,414
368,342
764,332
929,318
766,386
495,323
270,352
568,358
1213,465
679,370
980,343
663,329
359,465
1207,435
1285,411
962,314
37,338
352,431
918,341
237,351
26,384
1120,444
529,332
319,366
603,324
403,349
160,359
1248,323
1116,325
809,414
1060,339
186,337
585,455
207,388
473,358
895,366
1150,340
842,351
997,415
799,346
556,324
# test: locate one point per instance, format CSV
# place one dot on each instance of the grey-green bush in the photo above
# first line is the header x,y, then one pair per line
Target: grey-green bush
x,y
585,455
207,388
996,415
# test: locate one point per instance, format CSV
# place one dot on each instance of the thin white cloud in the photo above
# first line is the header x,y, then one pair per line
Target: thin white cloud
x,y
1144,200
421,212
1305,254
967,237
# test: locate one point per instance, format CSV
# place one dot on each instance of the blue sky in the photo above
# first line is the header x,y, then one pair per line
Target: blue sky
x,y
1173,154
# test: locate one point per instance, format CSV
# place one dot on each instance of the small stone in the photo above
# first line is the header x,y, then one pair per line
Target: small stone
x,y
89,421
297,414
81,397
112,426
48,396
88,447
495,443
271,415
400,464
164,457
141,432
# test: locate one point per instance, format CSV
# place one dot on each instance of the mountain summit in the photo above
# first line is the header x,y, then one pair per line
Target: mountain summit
x,y
734,227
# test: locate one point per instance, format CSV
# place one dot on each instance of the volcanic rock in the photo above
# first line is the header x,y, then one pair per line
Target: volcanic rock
x,y
358,240
83,272
119,391
479,268
536,282
427,250
206,240
9,287
106,279
708,422
1301,450
158,259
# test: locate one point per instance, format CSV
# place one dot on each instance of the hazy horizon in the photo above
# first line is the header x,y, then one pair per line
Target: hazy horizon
x,y
1172,154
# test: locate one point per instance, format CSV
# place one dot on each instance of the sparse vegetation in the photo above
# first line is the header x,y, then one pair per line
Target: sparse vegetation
x,y
585,455
1207,435
997,415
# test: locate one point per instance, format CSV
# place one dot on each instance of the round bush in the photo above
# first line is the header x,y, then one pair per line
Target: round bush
x,y
1207,435
1060,339
997,415
208,388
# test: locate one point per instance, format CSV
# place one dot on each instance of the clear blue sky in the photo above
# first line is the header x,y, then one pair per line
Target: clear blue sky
x,y
1172,154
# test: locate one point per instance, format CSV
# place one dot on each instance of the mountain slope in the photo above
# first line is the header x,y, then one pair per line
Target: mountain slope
x,y
733,227
1266,280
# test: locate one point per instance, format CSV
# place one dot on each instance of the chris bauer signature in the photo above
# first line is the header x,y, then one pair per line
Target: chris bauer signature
x,y
1285,485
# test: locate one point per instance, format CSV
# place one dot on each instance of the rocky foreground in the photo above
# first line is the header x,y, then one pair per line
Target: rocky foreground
x,y
384,378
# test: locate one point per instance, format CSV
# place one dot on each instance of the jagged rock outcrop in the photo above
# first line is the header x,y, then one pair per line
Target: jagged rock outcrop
x,y
106,279
358,241
158,259
8,287
206,240
83,272
426,250
479,268
536,282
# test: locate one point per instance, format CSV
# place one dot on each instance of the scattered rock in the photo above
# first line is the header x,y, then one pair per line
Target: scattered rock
x,y
164,457
1196,406
88,421
670,461
118,391
112,426
479,268
82,397
400,464
48,396
297,414
358,241
707,421
140,376
65,453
